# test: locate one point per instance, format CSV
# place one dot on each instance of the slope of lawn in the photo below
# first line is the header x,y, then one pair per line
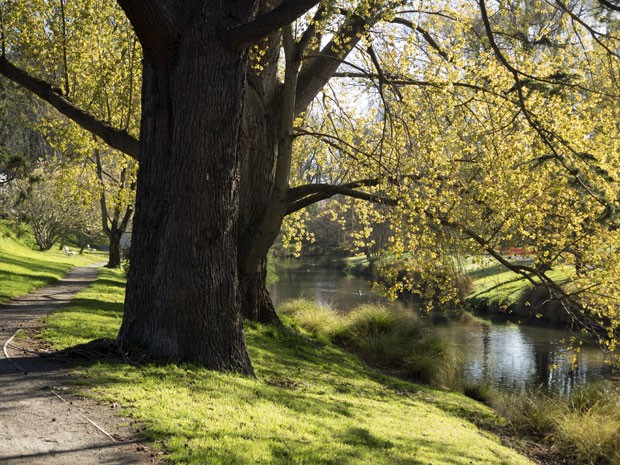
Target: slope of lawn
x,y
311,403
498,286
492,283
23,269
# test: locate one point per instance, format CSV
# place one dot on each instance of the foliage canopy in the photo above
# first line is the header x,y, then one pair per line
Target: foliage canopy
x,y
462,126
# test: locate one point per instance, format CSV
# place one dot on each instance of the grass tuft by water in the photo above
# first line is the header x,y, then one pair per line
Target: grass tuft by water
x,y
583,429
386,339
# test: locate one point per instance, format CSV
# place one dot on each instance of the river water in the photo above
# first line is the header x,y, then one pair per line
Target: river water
x,y
507,356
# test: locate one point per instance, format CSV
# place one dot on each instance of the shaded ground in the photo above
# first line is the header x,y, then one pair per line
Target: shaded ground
x,y
41,422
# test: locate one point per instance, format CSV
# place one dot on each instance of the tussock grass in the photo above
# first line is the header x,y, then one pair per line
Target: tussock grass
x,y
23,269
481,392
313,317
311,402
386,339
584,429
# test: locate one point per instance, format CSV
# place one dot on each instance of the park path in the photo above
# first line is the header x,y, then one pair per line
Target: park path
x,y
40,421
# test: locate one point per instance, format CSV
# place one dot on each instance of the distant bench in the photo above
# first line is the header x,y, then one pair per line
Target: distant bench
x,y
68,251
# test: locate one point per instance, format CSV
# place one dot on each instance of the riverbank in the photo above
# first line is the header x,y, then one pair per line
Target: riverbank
x,y
500,292
310,403
578,425
488,289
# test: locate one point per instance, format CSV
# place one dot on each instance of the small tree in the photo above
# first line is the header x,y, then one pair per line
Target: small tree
x,y
50,204
117,183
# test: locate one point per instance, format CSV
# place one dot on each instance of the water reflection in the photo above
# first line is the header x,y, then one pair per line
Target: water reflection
x,y
516,357
506,356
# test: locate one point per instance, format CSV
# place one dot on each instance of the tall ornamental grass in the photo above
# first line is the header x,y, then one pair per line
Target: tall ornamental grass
x,y
582,430
386,339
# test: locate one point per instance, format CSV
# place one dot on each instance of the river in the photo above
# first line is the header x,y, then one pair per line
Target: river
x,y
507,356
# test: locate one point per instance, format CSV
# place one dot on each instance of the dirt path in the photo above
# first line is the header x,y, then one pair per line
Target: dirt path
x,y
40,421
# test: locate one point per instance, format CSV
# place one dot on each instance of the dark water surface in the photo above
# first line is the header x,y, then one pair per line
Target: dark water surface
x,y
507,356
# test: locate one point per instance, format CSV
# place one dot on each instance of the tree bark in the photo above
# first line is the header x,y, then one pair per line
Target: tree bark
x,y
259,141
115,255
182,300
256,303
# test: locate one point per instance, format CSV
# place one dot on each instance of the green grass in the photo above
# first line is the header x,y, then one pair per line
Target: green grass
x,y
311,403
583,429
23,269
500,287
390,340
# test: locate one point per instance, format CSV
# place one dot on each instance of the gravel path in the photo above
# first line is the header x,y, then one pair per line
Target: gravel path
x,y
40,421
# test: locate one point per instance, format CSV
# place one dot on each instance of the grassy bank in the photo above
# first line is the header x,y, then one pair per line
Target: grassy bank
x,y
311,403
23,269
489,287
501,287
392,341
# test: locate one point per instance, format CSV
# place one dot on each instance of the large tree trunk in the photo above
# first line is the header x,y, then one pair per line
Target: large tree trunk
x,y
258,155
256,304
182,299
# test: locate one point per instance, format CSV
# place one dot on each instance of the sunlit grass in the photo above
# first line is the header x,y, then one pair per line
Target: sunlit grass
x,y
23,269
498,286
385,338
311,403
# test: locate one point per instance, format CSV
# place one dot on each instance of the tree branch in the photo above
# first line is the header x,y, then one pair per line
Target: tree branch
x,y
317,71
302,196
576,311
287,116
594,34
285,13
105,217
296,193
115,138
543,133
425,34
325,191
610,5
2,32
310,33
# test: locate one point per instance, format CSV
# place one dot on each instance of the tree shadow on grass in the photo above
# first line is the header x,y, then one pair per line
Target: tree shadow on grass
x,y
299,377
30,264
96,307
120,283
